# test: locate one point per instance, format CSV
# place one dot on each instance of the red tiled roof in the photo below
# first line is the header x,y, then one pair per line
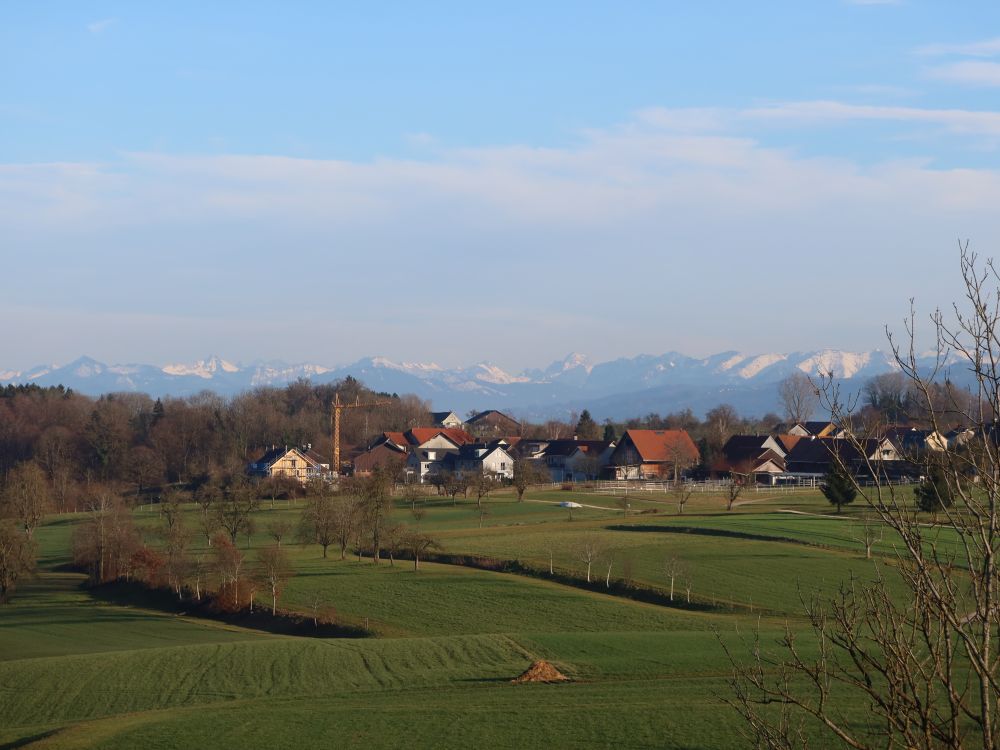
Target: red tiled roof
x,y
662,445
397,437
379,456
420,435
787,441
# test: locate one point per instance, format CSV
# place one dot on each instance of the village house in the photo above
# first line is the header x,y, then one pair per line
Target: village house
x,y
815,456
301,464
820,429
530,448
574,460
959,436
755,458
480,458
446,419
653,454
429,447
492,423
417,451
786,442
914,442
386,456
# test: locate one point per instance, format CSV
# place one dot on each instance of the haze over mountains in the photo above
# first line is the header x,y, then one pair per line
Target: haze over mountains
x,y
620,388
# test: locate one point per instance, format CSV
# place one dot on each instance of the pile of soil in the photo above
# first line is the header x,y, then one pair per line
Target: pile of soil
x,y
541,671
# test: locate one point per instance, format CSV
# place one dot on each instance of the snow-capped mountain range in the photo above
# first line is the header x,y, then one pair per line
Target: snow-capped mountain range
x,y
619,388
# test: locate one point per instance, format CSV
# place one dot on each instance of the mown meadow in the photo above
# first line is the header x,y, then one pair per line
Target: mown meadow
x,y
77,671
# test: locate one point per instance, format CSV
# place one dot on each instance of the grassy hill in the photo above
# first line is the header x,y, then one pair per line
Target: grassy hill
x,y
76,672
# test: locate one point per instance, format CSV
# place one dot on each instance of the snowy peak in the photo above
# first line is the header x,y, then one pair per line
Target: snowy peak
x,y
490,373
416,368
571,361
620,388
203,368
85,367
844,364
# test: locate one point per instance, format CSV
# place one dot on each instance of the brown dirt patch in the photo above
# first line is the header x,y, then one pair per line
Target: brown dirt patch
x,y
540,671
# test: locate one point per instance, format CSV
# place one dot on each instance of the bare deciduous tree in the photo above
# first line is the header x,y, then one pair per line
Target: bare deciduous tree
x,y
394,535
171,508
275,570
588,552
17,558
527,473
452,484
419,544
320,523
26,497
106,540
483,484
682,493
924,662
176,538
733,491
413,494
673,568
799,397
278,530
233,512
229,567
872,533
374,504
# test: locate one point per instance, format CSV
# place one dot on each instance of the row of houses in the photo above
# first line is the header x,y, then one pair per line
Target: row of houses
x,y
423,452
488,443
809,449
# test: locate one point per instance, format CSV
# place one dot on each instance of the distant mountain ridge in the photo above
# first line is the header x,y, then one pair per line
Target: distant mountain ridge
x,y
617,389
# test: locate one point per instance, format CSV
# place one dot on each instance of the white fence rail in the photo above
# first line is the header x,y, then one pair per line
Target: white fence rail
x,y
787,484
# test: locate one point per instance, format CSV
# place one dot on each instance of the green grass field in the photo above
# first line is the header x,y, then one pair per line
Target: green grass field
x,y
79,673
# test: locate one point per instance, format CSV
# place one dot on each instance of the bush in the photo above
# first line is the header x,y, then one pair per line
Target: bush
x,y
566,486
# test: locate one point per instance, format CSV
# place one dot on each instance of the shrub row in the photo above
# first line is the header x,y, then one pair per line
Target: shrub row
x,y
138,594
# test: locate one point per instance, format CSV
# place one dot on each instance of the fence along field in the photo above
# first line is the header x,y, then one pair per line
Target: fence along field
x,y
80,673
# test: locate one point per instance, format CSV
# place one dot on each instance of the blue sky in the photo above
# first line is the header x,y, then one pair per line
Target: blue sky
x,y
453,183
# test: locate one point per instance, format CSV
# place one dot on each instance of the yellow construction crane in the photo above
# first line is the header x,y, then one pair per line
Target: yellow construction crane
x,y
338,406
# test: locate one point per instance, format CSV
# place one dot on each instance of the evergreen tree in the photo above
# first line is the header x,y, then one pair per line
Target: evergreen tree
x,y
837,487
586,428
609,432
933,494
158,411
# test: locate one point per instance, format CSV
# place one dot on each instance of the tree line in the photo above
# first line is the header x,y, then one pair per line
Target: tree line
x,y
208,557
133,441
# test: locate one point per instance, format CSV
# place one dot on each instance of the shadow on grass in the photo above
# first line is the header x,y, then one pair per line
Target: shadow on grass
x,y
26,741
620,588
131,593
724,533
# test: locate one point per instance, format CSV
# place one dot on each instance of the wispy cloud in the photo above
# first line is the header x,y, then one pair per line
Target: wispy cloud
x,y
982,48
419,139
621,213
96,27
880,90
973,73
962,121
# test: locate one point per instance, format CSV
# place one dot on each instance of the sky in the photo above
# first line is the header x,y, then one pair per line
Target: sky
x,y
457,182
